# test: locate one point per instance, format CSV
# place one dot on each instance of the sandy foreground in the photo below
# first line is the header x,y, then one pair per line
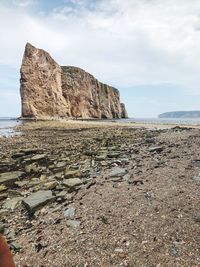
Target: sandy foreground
x,y
89,194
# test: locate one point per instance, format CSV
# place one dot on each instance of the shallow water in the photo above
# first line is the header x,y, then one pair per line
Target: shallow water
x,y
7,126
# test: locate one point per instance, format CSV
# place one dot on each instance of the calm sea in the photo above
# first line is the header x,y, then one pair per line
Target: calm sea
x,y
7,124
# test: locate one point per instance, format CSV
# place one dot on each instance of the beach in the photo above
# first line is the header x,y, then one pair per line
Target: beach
x,y
101,194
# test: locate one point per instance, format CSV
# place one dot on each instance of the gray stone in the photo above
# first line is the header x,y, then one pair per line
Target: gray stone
x,y
10,234
119,250
22,183
33,183
15,246
59,175
124,160
60,164
175,250
101,157
73,223
197,163
8,178
11,204
69,213
117,172
38,157
72,182
51,185
38,200
126,177
61,194
196,178
155,149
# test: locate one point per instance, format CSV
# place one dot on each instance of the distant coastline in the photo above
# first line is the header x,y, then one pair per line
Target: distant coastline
x,y
180,114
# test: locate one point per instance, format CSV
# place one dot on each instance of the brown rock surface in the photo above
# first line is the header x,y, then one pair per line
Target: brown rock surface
x,y
48,90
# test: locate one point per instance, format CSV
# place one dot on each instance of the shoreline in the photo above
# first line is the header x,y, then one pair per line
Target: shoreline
x,y
104,123
24,123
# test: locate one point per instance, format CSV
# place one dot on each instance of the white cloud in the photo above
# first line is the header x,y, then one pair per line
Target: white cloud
x,y
121,42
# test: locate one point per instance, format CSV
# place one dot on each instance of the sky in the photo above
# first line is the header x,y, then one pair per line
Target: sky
x,y
148,49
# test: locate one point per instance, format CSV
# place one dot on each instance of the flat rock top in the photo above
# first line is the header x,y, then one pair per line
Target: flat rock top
x,y
37,200
10,177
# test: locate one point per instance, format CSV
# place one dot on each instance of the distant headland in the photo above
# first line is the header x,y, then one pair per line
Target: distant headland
x,y
181,114
49,90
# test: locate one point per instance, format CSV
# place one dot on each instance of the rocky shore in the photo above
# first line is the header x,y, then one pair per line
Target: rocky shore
x,y
91,194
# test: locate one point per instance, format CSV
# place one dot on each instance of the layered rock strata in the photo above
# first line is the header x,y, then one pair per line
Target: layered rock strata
x,y
51,91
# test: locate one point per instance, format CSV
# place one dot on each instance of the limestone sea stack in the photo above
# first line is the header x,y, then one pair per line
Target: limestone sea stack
x,y
51,91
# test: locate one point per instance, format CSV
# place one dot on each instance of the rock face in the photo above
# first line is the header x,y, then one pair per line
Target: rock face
x,y
49,90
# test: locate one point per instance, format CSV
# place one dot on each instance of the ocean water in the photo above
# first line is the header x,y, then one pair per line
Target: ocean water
x,y
7,126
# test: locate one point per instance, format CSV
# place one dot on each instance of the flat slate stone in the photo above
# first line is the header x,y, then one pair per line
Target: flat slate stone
x,y
101,157
11,204
61,164
8,178
117,172
72,182
37,200
38,157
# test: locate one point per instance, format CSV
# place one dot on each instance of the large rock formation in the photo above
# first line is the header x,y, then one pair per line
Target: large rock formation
x,y
49,90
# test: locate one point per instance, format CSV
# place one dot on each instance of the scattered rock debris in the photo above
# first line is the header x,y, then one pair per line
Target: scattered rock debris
x,y
86,195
